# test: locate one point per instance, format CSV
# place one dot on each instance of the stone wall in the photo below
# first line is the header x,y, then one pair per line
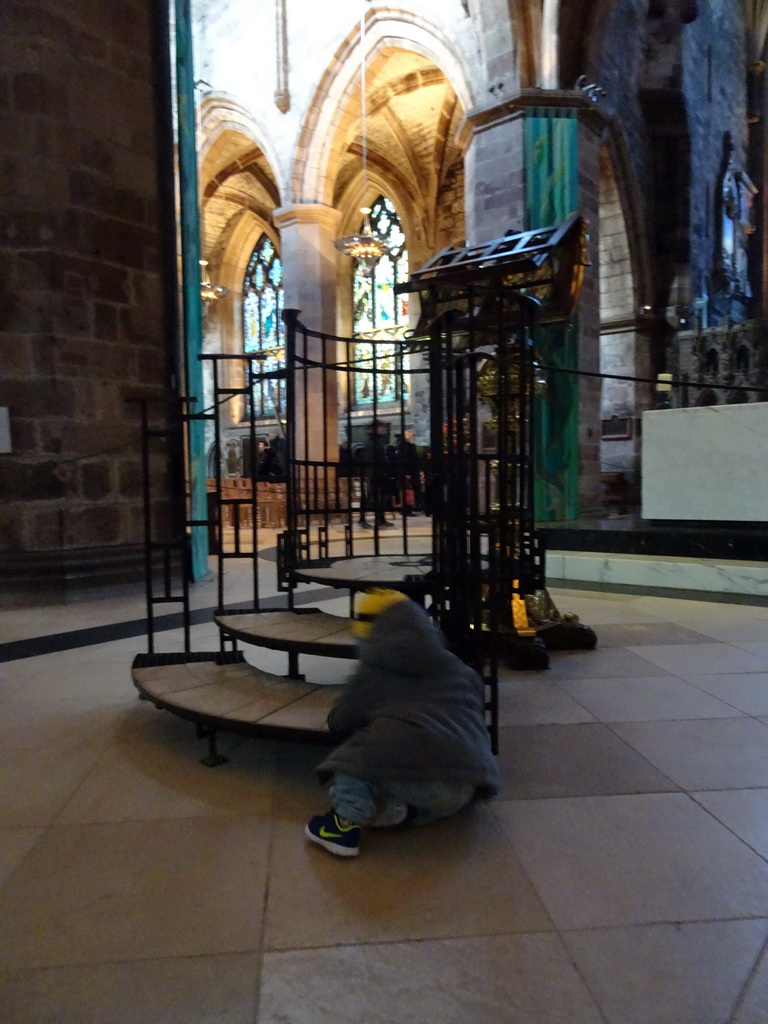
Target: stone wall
x,y
677,87
726,361
714,87
81,311
674,77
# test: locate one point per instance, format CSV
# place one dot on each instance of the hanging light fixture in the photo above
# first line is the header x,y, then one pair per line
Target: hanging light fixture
x,y
209,292
364,247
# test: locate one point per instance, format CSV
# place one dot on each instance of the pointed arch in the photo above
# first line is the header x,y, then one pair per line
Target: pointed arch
x,y
220,115
336,100
617,291
377,306
240,189
262,323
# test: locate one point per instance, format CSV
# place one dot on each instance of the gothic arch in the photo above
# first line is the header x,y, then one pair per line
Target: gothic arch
x,y
617,290
335,104
616,147
220,114
239,187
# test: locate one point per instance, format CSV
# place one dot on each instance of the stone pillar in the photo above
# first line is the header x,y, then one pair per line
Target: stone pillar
x,y
81,307
494,179
307,234
497,200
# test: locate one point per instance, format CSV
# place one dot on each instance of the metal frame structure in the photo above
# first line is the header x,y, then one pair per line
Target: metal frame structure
x,y
481,560
325,495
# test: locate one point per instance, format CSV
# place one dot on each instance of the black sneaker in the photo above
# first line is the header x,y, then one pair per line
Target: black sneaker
x,y
385,522
334,833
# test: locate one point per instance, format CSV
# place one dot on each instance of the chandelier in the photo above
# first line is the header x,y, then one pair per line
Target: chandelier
x,y
364,247
209,292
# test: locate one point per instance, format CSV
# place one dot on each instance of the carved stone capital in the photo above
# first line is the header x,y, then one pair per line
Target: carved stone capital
x,y
307,213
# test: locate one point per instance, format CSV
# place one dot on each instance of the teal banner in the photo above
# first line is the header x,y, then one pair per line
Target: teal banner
x,y
190,282
551,195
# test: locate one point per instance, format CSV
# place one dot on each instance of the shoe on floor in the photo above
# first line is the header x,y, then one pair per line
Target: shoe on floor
x,y
366,526
385,522
335,834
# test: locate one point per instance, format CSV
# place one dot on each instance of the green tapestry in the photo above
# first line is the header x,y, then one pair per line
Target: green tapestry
x,y
190,282
551,195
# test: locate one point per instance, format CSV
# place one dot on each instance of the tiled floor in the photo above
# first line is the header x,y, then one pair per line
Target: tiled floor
x,y
621,877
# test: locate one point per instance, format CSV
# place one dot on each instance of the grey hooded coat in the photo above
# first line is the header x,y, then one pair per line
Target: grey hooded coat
x,y
413,709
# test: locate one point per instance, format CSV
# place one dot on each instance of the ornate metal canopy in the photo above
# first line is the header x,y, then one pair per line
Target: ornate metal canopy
x,y
546,264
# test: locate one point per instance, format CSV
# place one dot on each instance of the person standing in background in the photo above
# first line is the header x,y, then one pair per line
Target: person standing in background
x,y
409,473
375,475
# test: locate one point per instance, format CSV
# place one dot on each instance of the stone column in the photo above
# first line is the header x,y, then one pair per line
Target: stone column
x,y
496,202
307,234
494,179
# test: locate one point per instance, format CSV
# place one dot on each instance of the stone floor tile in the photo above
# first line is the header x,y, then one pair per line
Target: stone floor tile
x,y
192,990
38,782
718,753
136,890
627,634
652,698
525,979
620,860
685,659
573,760
748,691
601,664
15,843
668,973
743,811
536,701
154,771
457,877
752,1007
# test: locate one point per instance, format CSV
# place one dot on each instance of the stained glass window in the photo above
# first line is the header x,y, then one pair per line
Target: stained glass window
x,y
263,324
377,306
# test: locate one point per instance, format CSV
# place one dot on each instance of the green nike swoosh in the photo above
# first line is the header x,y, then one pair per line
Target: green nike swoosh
x,y
329,835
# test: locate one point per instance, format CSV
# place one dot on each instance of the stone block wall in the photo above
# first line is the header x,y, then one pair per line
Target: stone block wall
x,y
677,89
81,306
493,169
728,361
618,68
714,87
616,284
450,209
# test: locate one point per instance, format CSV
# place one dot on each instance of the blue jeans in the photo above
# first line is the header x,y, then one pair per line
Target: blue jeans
x,y
380,804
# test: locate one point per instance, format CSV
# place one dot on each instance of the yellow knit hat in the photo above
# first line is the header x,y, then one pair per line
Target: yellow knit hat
x,y
369,604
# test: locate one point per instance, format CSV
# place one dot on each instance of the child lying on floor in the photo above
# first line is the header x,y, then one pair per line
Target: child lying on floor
x,y
418,746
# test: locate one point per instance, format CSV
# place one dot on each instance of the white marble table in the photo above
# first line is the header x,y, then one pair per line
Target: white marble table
x,y
706,464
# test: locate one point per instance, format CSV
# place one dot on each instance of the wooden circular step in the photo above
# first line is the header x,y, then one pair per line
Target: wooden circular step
x,y
308,631
221,691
